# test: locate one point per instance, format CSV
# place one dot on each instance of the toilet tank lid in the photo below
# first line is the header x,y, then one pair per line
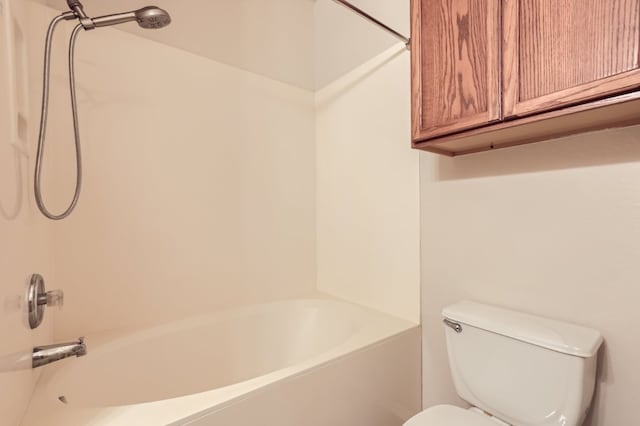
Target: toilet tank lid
x,y
551,334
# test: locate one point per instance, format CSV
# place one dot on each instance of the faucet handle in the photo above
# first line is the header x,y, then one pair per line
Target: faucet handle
x,y
38,298
52,298
55,298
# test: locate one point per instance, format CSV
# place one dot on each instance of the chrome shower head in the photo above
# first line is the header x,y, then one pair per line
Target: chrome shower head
x,y
150,17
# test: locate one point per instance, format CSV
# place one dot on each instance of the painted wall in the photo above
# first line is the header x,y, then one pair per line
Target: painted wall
x,y
550,228
367,188
24,237
199,186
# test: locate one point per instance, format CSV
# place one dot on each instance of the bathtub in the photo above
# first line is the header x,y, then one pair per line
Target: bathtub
x,y
293,362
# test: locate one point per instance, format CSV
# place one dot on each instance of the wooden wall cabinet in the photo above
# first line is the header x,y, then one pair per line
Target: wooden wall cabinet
x,y
493,73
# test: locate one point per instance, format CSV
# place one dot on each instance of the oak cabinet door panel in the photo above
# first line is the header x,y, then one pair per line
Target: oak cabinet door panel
x,y
561,53
456,65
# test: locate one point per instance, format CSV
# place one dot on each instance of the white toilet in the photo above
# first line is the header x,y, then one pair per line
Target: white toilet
x,y
515,369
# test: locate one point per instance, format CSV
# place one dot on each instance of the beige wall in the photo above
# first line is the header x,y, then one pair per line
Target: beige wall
x,y
367,179
550,228
199,186
24,236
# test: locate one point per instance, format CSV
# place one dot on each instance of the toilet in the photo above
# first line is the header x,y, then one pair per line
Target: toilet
x,y
515,369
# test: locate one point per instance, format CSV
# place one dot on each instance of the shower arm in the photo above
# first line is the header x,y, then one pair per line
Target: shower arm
x,y
118,18
101,21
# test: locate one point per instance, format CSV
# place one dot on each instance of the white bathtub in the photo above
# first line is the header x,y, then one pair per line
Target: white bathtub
x,y
203,370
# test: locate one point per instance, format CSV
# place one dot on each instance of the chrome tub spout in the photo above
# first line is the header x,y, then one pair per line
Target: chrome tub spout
x,y
43,355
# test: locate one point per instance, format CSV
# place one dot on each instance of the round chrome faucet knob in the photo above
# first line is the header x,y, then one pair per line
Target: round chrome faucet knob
x,y
38,298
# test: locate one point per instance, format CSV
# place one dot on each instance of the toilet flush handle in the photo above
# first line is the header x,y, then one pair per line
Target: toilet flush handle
x,y
456,327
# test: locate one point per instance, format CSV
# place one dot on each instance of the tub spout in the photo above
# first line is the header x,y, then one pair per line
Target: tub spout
x,y
43,355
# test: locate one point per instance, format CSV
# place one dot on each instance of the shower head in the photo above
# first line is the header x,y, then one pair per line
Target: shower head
x,y
150,17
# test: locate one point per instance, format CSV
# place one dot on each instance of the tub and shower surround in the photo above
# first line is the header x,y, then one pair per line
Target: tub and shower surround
x,y
205,198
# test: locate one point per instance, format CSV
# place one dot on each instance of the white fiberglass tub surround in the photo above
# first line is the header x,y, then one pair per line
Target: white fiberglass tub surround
x,y
189,371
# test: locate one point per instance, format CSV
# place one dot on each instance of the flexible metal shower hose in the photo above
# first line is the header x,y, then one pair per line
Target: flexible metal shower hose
x,y
43,120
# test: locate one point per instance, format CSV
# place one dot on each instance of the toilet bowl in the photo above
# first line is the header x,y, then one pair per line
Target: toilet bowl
x,y
515,369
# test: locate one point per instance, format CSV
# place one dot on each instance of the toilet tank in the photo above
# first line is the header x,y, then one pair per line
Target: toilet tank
x,y
523,369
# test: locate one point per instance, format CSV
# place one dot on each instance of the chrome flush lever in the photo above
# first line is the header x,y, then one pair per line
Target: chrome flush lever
x,y
456,326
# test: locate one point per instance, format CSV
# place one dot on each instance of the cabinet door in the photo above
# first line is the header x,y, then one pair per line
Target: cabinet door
x,y
559,53
455,54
